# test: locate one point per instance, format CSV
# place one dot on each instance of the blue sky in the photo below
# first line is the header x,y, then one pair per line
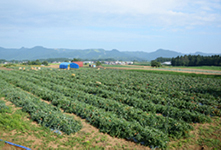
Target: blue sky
x,y
184,26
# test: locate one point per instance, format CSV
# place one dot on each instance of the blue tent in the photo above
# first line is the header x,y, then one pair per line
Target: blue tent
x,y
74,65
64,65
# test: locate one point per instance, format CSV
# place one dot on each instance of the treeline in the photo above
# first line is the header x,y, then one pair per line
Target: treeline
x,y
196,60
2,60
36,62
162,59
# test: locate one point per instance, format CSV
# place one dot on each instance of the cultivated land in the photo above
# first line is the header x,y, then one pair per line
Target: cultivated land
x,y
109,109
213,70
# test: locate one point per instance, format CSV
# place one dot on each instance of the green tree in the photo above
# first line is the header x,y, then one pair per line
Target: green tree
x,y
45,63
98,63
155,63
76,59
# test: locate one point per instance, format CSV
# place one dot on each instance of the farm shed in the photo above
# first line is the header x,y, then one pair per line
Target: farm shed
x,y
74,65
64,65
80,63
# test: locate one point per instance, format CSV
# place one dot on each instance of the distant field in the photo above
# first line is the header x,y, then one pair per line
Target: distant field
x,y
190,74
142,63
201,67
124,66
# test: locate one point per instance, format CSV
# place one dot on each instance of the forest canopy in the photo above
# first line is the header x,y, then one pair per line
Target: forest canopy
x,y
196,60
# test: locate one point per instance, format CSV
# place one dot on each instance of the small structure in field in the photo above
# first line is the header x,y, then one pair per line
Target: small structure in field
x,y
74,66
80,63
64,65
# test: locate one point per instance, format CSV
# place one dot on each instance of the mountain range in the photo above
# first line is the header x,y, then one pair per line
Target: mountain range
x,y
39,52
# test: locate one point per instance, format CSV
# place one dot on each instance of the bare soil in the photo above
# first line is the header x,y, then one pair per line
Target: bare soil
x,y
3,68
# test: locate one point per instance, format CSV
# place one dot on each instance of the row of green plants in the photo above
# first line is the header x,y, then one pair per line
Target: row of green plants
x,y
175,128
39,111
178,114
201,90
156,90
152,98
107,122
133,101
3,107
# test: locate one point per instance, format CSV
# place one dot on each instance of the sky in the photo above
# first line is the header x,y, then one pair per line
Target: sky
x,y
185,26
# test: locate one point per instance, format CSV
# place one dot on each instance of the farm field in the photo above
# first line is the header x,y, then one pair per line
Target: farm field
x,y
201,67
124,66
136,108
196,70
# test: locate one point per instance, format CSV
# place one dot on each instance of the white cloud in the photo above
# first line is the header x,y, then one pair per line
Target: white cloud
x,y
115,12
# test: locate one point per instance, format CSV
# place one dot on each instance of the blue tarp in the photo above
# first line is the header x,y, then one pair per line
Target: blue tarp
x,y
64,65
74,65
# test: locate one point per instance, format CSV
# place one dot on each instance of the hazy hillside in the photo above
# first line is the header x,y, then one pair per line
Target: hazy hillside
x,y
40,52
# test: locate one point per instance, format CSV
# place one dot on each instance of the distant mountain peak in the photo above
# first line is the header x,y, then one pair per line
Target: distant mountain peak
x,y
115,50
37,47
40,52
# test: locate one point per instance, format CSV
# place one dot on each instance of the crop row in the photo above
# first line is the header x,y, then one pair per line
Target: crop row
x,y
107,122
156,99
44,114
176,113
182,89
3,107
159,84
175,128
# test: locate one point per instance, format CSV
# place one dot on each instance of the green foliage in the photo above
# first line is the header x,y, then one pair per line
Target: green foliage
x,y
3,60
142,107
196,60
162,59
37,62
9,65
43,113
142,63
76,59
155,63
13,121
98,63
178,73
45,63
3,107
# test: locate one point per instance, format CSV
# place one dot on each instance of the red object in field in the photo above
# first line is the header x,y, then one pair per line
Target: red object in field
x,y
80,63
